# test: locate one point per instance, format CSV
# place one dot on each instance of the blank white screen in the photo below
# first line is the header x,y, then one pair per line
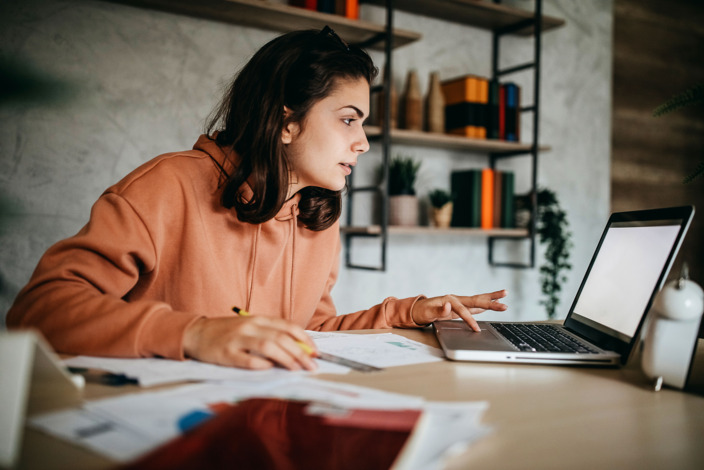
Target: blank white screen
x,y
625,274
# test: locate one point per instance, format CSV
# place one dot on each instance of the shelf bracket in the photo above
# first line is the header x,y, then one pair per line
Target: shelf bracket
x,y
537,23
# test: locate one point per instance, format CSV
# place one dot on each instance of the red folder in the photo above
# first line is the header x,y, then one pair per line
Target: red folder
x,y
277,434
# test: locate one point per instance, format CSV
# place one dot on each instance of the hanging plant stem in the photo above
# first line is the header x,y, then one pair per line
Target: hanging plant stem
x,y
552,229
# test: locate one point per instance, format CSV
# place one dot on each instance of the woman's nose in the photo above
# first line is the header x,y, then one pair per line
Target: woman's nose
x,y
362,144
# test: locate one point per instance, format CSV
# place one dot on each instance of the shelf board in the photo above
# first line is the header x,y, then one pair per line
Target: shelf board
x,y
423,230
482,14
276,17
448,141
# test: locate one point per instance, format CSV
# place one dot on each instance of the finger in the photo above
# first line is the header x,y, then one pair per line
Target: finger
x,y
460,309
281,348
447,310
244,360
284,326
482,302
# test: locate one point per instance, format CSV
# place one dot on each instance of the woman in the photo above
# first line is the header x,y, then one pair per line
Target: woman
x,y
248,218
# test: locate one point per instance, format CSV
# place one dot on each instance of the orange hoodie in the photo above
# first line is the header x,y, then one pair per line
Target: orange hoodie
x,y
160,251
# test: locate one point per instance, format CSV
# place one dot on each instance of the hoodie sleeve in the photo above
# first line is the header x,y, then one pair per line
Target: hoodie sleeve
x,y
391,313
76,296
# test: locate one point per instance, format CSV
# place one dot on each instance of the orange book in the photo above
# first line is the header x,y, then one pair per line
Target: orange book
x,y
352,9
460,90
466,99
487,198
347,8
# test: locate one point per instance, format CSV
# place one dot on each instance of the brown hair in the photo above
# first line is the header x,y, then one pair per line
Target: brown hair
x,y
295,70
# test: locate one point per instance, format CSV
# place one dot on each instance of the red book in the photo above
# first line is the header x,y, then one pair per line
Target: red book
x,y
307,4
487,198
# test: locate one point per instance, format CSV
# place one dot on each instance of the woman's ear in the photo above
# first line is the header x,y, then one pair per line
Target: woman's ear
x,y
290,129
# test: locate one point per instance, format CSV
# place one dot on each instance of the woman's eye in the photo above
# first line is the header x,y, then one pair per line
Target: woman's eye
x,y
348,121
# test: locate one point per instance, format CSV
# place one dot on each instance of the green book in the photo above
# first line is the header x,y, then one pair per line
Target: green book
x,y
466,186
508,212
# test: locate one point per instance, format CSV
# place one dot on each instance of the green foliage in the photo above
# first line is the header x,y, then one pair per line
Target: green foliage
x,y
403,172
692,96
552,230
439,197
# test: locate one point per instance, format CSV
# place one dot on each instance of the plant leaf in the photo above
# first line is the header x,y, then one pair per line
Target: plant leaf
x,y
688,97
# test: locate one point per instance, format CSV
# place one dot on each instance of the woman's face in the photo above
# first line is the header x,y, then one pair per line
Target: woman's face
x,y
323,151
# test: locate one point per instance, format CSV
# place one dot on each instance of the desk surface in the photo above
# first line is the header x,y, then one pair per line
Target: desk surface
x,y
541,416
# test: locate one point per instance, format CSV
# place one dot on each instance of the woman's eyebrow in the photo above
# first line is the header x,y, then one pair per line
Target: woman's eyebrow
x,y
359,112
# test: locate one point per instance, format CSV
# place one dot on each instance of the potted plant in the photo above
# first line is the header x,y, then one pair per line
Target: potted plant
x,y
403,203
441,202
552,231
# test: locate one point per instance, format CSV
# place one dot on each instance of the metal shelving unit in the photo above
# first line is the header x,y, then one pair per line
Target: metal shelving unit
x,y
501,21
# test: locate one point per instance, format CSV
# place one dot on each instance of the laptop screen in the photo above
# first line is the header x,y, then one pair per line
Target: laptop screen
x,y
633,258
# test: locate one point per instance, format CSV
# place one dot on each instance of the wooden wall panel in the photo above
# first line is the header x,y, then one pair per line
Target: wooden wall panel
x,y
658,53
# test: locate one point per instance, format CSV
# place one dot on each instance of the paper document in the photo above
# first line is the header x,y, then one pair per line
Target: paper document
x,y
126,427
154,371
380,350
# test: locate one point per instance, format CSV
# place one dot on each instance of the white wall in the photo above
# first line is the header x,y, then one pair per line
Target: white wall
x,y
142,83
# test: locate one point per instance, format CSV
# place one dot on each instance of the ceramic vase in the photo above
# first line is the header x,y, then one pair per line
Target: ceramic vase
x,y
403,210
412,103
435,105
442,216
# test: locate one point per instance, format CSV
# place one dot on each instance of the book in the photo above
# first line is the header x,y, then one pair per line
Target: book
x,y
466,100
502,112
263,433
508,212
493,116
466,189
326,6
512,112
498,198
482,108
347,8
487,199
307,4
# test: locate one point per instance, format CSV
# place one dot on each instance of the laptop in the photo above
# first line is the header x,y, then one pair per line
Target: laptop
x,y
628,268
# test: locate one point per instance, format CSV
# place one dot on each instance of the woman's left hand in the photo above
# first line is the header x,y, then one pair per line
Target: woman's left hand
x,y
426,311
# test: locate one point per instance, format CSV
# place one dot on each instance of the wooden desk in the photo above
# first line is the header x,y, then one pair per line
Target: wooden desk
x,y
541,416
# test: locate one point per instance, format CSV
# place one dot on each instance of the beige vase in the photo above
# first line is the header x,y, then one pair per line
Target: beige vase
x,y
403,210
412,103
442,216
435,106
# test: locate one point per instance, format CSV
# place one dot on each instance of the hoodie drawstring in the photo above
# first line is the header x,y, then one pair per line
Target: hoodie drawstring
x,y
292,219
252,265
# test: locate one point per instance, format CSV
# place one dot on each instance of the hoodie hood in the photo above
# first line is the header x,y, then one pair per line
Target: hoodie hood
x,y
281,232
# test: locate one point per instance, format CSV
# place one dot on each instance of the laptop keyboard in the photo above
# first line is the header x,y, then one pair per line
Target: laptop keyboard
x,y
541,338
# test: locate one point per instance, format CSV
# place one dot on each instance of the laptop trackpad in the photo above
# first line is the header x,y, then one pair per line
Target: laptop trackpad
x,y
457,335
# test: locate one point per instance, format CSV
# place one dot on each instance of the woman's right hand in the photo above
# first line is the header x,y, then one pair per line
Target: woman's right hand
x,y
251,342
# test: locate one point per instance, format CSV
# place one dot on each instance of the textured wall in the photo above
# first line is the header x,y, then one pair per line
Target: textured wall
x,y
138,83
658,53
